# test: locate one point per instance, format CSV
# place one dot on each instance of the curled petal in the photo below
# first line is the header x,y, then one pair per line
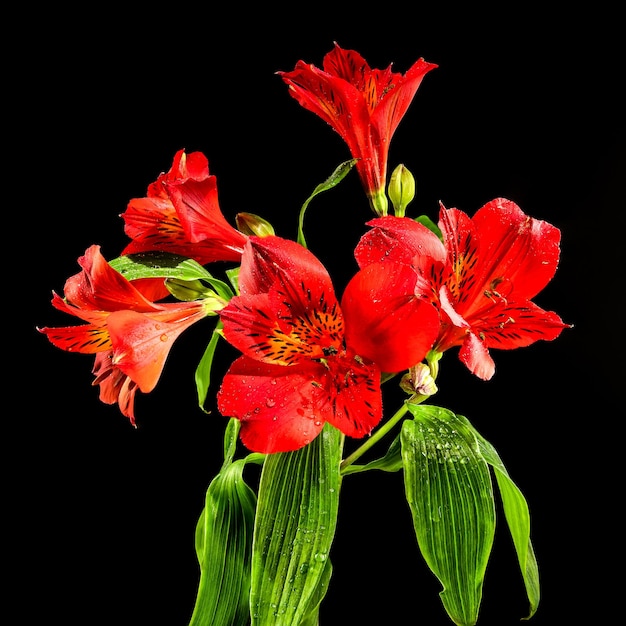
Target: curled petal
x,y
475,356
115,386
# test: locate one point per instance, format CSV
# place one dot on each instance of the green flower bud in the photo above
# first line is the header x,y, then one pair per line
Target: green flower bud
x,y
192,290
401,189
251,224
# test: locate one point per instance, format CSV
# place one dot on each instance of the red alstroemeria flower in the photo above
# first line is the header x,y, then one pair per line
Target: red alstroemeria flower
x,y
363,105
297,370
495,263
130,335
181,215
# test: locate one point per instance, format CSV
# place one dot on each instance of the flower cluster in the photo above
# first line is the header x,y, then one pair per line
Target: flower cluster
x,y
312,359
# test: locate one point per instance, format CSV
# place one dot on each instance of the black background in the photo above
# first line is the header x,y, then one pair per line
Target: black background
x,y
524,105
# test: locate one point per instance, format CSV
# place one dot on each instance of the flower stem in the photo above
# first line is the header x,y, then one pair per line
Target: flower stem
x,y
381,432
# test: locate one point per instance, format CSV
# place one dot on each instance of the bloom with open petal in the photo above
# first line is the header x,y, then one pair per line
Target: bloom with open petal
x,y
494,264
363,105
130,335
181,215
297,370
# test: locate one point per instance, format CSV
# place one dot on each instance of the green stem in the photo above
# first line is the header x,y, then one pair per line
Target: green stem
x,y
381,432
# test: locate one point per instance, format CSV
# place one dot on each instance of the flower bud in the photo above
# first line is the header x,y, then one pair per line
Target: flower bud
x,y
401,189
251,224
192,290
419,380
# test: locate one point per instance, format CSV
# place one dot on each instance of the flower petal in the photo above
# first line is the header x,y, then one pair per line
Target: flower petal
x,y
385,321
398,239
353,388
101,287
85,339
518,325
475,356
141,343
115,386
277,405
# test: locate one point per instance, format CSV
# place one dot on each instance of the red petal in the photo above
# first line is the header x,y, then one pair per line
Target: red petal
x,y
396,96
101,287
517,325
199,212
397,239
85,339
277,406
115,386
273,261
356,400
502,243
141,344
475,356
385,321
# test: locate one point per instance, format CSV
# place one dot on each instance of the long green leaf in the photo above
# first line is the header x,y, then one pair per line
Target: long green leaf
x,y
517,517
224,546
449,491
296,519
159,265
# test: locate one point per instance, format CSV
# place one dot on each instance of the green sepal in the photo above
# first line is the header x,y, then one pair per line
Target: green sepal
x,y
296,519
391,462
224,547
203,370
449,491
517,516
334,179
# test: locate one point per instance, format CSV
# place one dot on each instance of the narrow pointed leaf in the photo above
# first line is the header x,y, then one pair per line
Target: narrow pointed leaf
x,y
449,491
224,546
517,516
334,179
391,462
203,371
296,519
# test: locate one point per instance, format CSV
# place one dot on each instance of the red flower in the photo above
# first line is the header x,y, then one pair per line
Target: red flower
x,y
130,335
494,264
297,370
181,215
363,105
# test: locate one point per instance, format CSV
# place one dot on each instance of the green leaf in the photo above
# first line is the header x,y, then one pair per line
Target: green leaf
x,y
449,490
391,462
312,619
203,371
296,519
517,516
224,547
159,265
334,179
